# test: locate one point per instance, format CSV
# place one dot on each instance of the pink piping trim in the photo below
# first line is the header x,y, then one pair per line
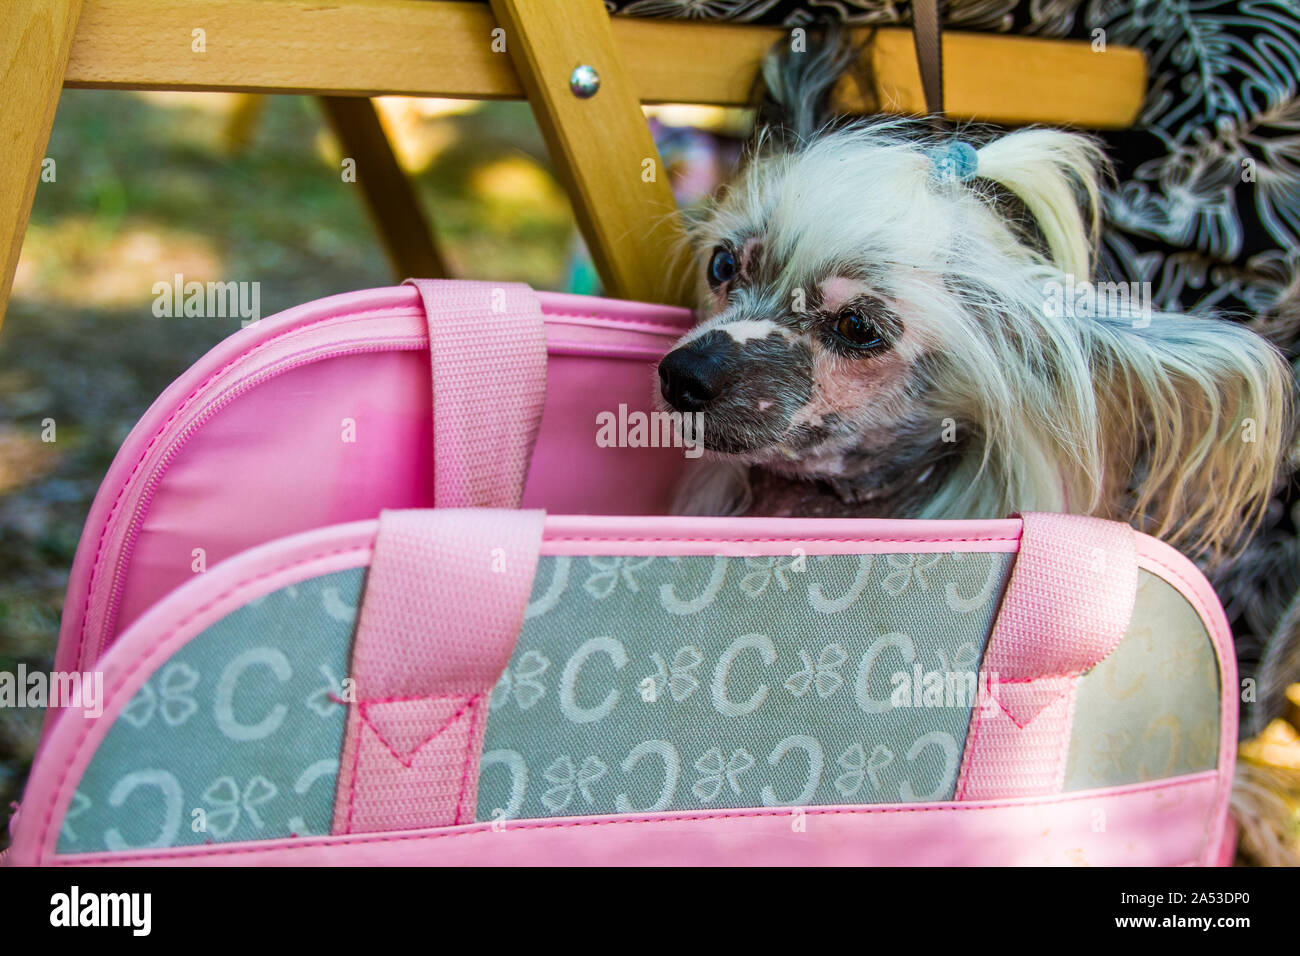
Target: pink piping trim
x,y
603,322
575,534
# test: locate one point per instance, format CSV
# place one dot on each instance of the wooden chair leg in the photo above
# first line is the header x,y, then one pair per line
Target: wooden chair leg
x,y
241,126
390,198
600,144
35,37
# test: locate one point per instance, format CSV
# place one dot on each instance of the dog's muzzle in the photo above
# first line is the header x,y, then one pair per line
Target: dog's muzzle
x,y
747,390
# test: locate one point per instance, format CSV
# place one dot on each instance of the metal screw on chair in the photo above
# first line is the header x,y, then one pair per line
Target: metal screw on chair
x,y
584,81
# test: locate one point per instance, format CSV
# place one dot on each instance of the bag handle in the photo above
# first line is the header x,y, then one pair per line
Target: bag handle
x,y
444,600
487,348
927,29
1067,606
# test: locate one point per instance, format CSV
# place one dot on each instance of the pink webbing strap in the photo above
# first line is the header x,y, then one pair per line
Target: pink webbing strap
x,y
1067,605
444,600
488,346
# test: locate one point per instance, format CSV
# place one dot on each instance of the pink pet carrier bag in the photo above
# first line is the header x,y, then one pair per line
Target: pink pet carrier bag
x,y
365,587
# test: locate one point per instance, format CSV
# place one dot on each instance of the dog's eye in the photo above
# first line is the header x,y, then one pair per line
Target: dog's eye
x,y
858,331
722,267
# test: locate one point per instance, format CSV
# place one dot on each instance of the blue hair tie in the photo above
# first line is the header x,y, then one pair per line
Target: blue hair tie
x,y
955,161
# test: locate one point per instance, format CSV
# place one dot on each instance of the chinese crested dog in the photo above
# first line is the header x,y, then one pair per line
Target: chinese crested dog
x,y
899,323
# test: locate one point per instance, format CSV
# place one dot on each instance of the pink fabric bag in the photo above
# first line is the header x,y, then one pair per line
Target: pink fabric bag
x,y
266,466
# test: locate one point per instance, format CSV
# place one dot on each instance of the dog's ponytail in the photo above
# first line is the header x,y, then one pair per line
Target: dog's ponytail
x,y
1057,176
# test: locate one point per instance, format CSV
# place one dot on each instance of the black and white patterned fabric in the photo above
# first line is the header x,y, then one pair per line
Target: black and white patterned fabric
x,y
1206,204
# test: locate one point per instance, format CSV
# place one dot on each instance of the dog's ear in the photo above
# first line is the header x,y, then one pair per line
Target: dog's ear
x,y
1195,424
1176,423
794,86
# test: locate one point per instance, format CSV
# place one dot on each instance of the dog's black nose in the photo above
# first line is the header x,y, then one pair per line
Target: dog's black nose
x,y
690,377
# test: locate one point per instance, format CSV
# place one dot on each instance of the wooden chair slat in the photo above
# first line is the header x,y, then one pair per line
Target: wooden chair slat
x,y
35,39
443,48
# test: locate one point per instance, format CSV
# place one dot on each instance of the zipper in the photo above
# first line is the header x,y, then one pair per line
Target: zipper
x,y
94,647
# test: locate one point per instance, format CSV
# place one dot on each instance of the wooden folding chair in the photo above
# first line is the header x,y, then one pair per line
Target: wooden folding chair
x,y
600,143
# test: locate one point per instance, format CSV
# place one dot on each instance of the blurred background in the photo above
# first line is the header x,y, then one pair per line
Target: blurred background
x,y
221,187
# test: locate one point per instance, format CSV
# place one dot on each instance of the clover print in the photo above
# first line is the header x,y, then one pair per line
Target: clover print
x,y
823,674
175,682
226,804
859,767
569,780
524,681
289,591
679,677
766,570
966,658
609,571
717,770
909,569
1110,752
325,698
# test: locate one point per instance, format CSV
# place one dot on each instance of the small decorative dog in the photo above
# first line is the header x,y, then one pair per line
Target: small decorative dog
x,y
899,323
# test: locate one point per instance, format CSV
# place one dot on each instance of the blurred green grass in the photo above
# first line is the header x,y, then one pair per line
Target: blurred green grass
x,y
147,186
